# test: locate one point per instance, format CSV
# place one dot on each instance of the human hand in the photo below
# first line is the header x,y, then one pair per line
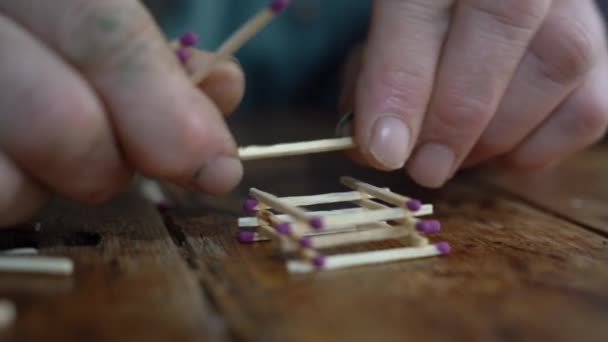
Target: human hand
x,y
92,93
442,84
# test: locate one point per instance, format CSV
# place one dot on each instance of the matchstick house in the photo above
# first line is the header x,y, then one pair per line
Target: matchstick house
x,y
378,214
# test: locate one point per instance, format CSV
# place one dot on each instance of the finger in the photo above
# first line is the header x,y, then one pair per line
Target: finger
x,y
20,197
396,81
224,83
350,75
486,43
167,128
346,101
579,122
51,123
557,62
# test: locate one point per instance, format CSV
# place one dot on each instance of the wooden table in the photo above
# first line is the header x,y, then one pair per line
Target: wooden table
x,y
529,262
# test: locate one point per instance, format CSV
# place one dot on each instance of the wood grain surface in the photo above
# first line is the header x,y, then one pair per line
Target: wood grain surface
x,y
529,261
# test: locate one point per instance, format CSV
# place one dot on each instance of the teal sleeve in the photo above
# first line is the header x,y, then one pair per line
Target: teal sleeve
x,y
294,61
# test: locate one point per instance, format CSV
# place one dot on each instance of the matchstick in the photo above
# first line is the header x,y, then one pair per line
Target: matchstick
x,y
375,257
151,191
251,205
37,264
291,237
20,251
364,217
423,226
382,194
297,148
334,197
8,313
281,227
241,36
315,222
368,233
246,222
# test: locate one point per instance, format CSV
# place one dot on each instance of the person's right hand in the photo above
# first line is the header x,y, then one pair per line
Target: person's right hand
x,y
92,92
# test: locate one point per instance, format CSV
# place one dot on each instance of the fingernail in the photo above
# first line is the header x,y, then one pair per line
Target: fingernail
x,y
389,143
432,165
219,175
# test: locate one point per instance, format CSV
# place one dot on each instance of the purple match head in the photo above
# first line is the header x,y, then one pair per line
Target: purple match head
x,y
163,206
189,39
423,226
278,5
306,242
183,55
283,228
443,247
318,261
413,204
316,223
434,227
428,226
250,205
245,236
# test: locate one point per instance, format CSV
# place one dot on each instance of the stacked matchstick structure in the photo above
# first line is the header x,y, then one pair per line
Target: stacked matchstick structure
x,y
379,214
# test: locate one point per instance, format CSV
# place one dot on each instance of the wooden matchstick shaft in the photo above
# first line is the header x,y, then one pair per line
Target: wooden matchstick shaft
x,y
334,197
8,313
19,251
49,265
364,217
370,233
382,194
358,259
274,202
319,199
268,232
298,148
426,209
238,39
409,222
408,219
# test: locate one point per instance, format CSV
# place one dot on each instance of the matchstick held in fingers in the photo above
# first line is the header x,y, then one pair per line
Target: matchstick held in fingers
x,y
298,148
240,37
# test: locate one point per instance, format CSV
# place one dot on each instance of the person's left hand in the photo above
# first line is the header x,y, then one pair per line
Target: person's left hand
x,y
443,84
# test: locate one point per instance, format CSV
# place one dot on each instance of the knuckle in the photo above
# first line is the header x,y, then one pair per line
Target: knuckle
x,y
99,173
168,163
71,141
461,113
518,163
567,51
58,129
489,147
103,29
517,14
408,89
588,121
